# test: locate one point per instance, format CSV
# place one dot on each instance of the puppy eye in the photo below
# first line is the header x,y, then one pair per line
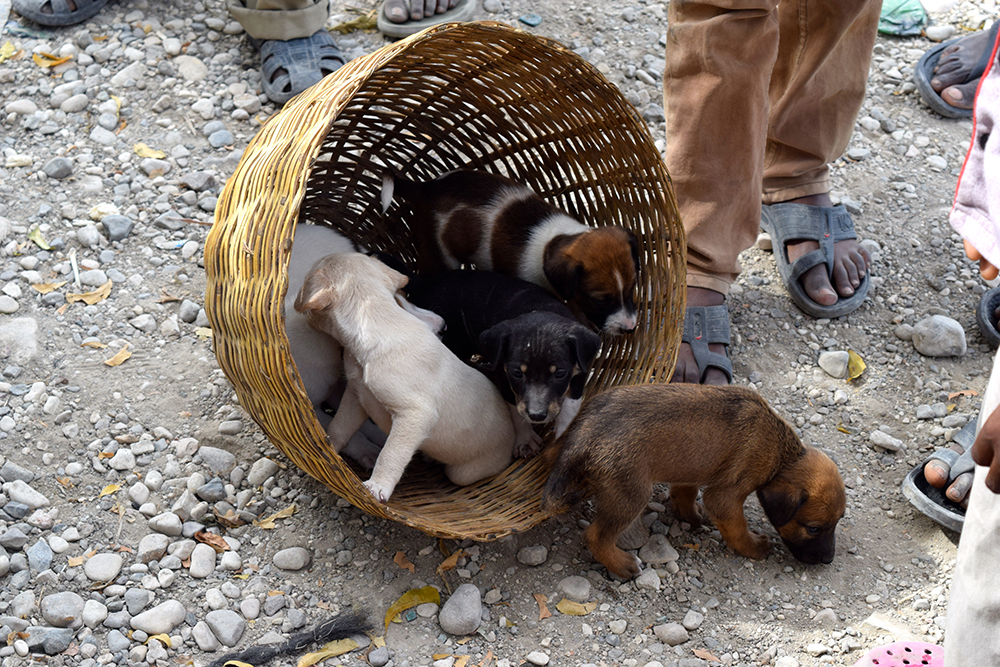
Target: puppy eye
x,y
515,373
813,530
559,374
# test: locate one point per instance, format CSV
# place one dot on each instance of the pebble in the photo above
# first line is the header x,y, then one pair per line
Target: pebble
x,y
20,492
63,610
103,567
533,556
692,620
39,556
93,613
537,658
939,336
161,619
657,550
260,471
205,638
219,461
461,613
575,588
202,561
671,634
648,580
167,523
834,363
886,441
293,558
226,625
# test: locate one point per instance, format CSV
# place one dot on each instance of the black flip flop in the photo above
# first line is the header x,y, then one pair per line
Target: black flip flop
x,y
924,72
986,317
932,501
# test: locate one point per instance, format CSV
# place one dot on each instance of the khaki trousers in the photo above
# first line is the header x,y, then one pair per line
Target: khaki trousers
x,y
280,19
760,96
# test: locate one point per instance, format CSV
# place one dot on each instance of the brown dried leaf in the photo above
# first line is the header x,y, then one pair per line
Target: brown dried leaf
x,y
964,392
91,298
570,608
543,609
450,562
268,523
402,561
96,344
75,561
217,542
120,358
110,488
45,288
411,598
49,60
705,655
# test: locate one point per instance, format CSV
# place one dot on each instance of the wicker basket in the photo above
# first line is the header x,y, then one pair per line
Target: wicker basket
x,y
477,95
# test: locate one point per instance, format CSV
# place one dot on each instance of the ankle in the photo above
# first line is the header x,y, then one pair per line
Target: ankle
x,y
701,296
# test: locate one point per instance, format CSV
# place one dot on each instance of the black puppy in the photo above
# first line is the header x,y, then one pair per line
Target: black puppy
x,y
533,349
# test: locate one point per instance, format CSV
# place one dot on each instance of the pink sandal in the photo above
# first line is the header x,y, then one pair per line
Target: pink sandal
x,y
903,654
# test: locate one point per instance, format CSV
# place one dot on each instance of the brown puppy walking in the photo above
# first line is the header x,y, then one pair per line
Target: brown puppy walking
x,y
725,439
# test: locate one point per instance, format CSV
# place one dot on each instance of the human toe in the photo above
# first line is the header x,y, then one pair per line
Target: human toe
x,y
936,473
817,285
961,96
396,11
959,489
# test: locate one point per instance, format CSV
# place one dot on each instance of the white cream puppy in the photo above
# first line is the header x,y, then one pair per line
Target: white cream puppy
x,y
317,356
404,378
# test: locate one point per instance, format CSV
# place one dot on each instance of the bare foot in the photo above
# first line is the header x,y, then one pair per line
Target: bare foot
x,y
936,473
951,75
850,263
687,369
401,11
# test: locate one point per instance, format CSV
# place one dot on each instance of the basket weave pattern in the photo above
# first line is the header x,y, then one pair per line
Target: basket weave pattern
x,y
472,95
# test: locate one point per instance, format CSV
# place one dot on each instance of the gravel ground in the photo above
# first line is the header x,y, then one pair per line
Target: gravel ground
x,y
114,476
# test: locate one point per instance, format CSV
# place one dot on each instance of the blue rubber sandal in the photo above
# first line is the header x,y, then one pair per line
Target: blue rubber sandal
x,y
786,222
986,317
704,326
59,13
305,62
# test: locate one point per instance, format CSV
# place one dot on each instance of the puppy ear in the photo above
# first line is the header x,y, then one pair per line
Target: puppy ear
x,y
633,244
781,500
584,344
396,279
317,293
494,342
562,270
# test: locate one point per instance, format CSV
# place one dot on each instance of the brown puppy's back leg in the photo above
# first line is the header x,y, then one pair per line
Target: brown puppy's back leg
x,y
615,511
685,507
725,509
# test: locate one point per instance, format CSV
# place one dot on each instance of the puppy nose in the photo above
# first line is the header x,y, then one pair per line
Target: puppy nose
x,y
538,416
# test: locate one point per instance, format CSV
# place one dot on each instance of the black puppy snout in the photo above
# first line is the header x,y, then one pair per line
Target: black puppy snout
x,y
538,416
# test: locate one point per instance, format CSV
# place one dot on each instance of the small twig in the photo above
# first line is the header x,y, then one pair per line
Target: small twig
x,y
76,268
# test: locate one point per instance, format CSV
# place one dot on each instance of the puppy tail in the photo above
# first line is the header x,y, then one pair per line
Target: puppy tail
x,y
396,186
564,487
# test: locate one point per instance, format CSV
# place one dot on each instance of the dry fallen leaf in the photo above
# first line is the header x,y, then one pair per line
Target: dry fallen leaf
x,y
705,655
461,661
7,51
162,638
543,609
203,332
330,650
487,660
412,598
75,561
450,562
45,288
268,523
110,488
120,358
96,344
855,365
236,663
217,542
49,60
570,608
402,561
964,392
142,150
65,481
91,298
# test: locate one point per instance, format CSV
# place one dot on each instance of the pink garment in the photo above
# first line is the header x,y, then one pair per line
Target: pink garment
x,y
976,212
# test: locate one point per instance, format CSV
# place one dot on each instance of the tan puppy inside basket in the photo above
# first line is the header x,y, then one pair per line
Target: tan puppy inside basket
x,y
725,439
404,378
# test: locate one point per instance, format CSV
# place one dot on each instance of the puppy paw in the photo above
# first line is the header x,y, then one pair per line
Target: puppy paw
x,y
380,492
528,444
758,547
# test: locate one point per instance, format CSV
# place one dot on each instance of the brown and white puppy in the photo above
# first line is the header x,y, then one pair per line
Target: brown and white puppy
x,y
474,217
403,377
726,440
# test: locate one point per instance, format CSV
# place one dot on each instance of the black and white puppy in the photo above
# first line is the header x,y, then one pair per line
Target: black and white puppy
x,y
474,217
533,349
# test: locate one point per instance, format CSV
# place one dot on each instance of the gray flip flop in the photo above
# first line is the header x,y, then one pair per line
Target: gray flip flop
x,y
463,11
703,326
932,501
